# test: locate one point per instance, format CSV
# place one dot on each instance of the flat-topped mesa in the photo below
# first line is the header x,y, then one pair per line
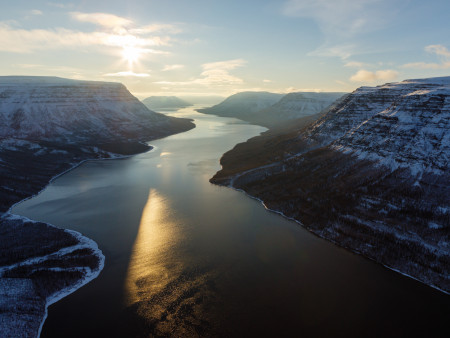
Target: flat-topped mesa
x,y
397,124
73,111
242,104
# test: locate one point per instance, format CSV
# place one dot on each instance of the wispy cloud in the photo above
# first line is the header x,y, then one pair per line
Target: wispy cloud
x,y
219,72
342,21
355,64
107,20
214,74
380,75
114,31
60,5
341,17
172,67
127,74
440,51
36,12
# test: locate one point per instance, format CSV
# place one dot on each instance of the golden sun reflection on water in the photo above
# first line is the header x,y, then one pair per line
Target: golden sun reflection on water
x,y
162,285
151,264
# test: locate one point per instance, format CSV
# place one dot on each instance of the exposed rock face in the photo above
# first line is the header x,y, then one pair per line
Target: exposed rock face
x,y
48,125
165,103
372,174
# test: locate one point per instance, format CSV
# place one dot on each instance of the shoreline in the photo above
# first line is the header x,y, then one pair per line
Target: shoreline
x,y
354,251
90,275
83,241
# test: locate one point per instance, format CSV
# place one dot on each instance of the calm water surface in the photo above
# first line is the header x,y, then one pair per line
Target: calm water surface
x,y
188,258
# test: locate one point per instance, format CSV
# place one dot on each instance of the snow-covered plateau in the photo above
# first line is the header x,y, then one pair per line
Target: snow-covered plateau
x,y
371,174
49,125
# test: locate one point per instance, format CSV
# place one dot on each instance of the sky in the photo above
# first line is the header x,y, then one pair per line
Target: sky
x,y
217,47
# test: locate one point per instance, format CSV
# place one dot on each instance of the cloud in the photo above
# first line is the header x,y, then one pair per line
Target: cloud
x,y
36,12
341,17
380,75
214,74
171,67
440,51
343,21
114,31
304,90
218,72
103,20
267,81
127,74
60,5
355,64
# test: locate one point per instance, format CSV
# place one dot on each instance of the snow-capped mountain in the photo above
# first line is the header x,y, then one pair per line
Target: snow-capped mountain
x,y
295,105
165,103
242,105
372,174
398,124
271,109
63,110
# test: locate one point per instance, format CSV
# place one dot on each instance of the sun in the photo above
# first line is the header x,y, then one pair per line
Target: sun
x,y
131,54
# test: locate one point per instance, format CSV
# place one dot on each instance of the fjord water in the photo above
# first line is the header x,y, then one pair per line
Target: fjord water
x,y
188,258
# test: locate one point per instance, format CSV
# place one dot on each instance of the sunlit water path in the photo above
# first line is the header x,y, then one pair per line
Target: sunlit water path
x,y
188,258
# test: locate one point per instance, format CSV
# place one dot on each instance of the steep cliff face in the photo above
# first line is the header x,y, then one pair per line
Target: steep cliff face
x,y
371,174
70,111
396,125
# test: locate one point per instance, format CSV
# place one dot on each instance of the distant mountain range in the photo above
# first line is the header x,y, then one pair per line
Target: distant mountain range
x,y
371,174
47,126
270,109
165,103
243,105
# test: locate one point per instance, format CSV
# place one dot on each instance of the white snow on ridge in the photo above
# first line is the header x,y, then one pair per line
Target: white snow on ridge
x,y
49,108
403,124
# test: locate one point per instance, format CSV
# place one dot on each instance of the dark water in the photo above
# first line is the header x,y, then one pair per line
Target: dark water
x,y
187,258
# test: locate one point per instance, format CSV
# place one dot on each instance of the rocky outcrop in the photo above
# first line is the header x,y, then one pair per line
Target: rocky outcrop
x,y
371,174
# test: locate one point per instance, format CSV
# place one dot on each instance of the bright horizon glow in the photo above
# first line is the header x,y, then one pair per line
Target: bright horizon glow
x,y
203,47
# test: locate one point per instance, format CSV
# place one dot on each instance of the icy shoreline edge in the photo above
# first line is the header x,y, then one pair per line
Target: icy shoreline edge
x,y
84,242
355,251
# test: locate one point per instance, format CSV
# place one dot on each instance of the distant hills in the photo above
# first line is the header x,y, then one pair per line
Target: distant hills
x,y
165,103
272,109
371,173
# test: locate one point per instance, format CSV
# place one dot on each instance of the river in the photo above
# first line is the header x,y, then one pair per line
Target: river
x,y
188,258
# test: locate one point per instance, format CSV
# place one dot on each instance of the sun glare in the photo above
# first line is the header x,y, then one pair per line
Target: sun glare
x,y
131,54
